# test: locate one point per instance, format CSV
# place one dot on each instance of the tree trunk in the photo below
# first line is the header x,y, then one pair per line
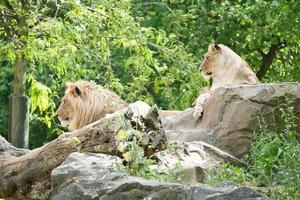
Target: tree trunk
x,y
267,60
20,74
19,121
19,115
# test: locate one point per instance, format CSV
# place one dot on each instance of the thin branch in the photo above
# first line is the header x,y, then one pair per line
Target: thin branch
x,y
96,11
155,3
24,3
212,15
9,6
282,45
261,52
9,30
267,60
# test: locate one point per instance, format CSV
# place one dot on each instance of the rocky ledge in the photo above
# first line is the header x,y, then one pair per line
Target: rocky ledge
x,y
89,176
231,115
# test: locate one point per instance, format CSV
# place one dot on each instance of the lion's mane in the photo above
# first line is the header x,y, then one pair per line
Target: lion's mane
x,y
85,102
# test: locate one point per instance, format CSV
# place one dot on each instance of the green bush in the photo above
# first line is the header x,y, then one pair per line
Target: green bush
x,y
134,145
274,159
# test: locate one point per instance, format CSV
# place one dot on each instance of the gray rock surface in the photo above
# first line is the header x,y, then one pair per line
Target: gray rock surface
x,y
87,176
231,115
7,149
193,158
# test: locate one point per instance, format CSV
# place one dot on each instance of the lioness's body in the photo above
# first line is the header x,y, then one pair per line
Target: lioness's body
x,y
85,102
225,67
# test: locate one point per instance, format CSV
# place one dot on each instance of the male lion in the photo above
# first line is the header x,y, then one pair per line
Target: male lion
x,y
225,67
85,102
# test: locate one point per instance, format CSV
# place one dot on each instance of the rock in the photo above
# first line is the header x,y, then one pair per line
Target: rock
x,y
7,149
79,164
152,119
28,176
88,176
231,115
226,192
146,128
137,111
191,159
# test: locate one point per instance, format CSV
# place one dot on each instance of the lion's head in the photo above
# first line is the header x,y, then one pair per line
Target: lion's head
x,y
224,66
85,102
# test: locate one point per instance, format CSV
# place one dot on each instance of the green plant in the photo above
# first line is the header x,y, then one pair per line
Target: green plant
x,y
134,146
227,172
274,158
146,50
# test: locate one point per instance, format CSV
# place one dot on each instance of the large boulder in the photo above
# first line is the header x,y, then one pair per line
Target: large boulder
x,y
89,176
231,115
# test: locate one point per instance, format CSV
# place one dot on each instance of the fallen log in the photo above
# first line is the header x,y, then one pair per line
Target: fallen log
x,y
28,176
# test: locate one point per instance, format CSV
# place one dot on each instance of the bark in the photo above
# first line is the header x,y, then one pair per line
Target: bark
x,y
24,177
20,75
27,176
267,60
19,111
19,123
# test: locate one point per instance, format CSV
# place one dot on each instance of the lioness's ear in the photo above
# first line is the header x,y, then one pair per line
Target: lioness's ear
x,y
74,89
217,47
214,48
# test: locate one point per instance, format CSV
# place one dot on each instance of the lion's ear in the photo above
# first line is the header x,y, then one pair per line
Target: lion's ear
x,y
78,91
214,48
217,47
74,89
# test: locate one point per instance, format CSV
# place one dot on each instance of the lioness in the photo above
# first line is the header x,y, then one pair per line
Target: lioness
x,y
85,102
225,67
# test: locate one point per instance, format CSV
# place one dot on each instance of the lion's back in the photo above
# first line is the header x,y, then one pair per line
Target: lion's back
x,y
113,100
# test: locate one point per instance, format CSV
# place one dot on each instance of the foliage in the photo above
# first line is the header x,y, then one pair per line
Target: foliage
x,y
274,159
227,172
100,41
133,145
143,50
6,78
150,51
249,27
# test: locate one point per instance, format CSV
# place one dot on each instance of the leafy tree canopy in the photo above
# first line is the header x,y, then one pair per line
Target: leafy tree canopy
x,y
146,50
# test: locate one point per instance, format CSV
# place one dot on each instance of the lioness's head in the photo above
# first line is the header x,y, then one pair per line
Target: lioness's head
x,y
68,104
210,61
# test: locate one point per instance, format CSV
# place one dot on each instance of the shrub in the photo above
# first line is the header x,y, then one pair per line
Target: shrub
x,y
274,158
135,145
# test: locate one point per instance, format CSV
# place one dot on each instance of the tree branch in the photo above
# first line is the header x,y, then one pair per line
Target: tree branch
x,y
9,6
104,15
4,22
212,15
267,60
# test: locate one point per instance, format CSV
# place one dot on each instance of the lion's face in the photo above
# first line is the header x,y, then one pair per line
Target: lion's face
x,y
65,111
67,107
210,61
